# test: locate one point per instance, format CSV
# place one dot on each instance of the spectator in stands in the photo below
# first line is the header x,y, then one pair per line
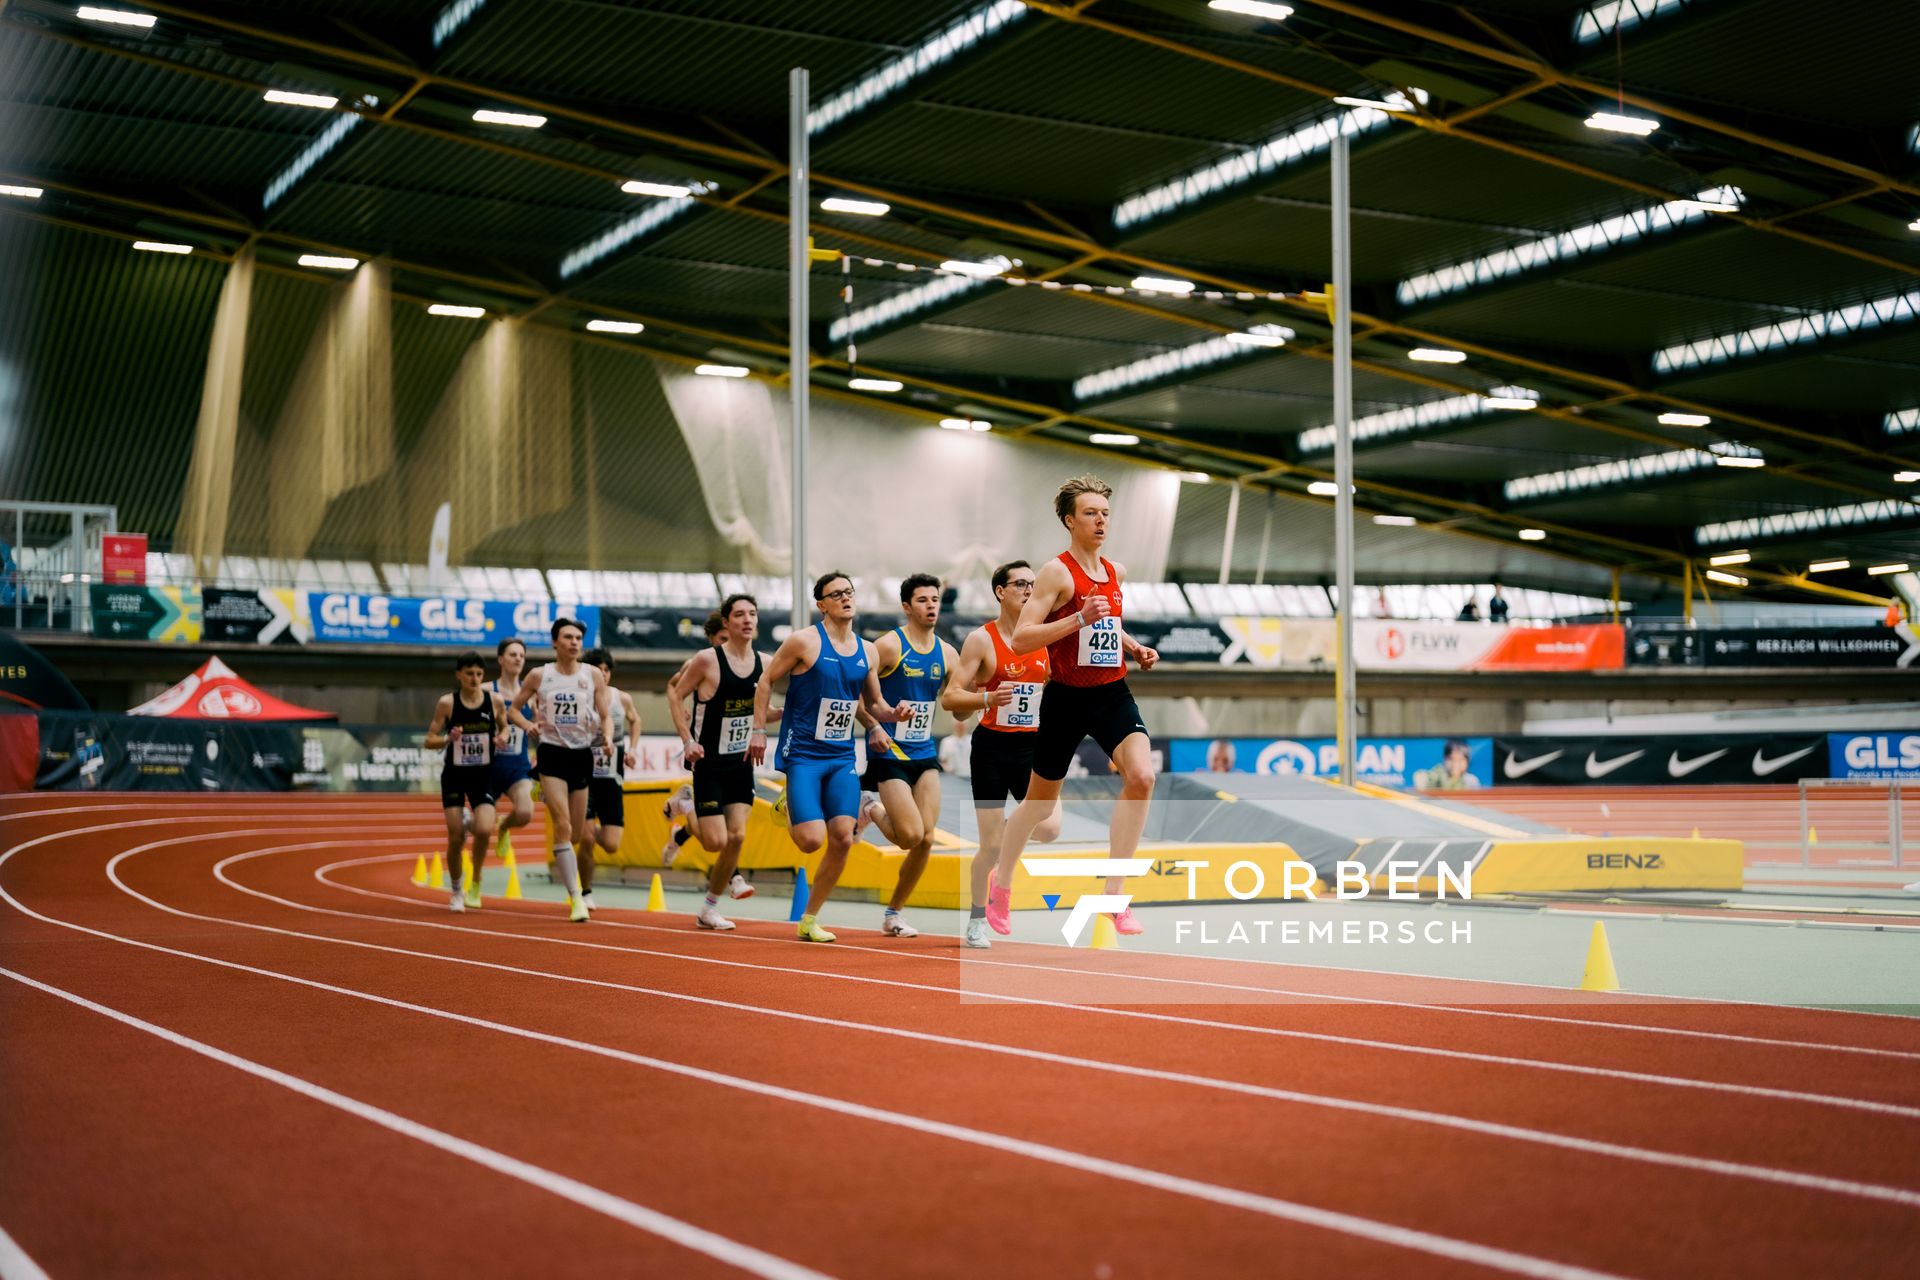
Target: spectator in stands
x,y
1220,756
1470,611
1381,609
9,574
1451,773
956,753
1496,604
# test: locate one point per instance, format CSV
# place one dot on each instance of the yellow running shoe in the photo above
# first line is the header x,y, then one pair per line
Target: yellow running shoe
x,y
579,910
473,893
810,931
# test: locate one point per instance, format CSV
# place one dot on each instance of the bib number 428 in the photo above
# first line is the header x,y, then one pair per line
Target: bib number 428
x,y
1100,644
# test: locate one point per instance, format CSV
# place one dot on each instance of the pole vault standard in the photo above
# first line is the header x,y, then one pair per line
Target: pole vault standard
x,y
1343,451
799,356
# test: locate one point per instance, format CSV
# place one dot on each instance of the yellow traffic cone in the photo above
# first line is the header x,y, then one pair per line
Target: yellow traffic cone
x,y
513,883
438,876
420,870
1813,835
1104,938
656,900
1599,974
1696,830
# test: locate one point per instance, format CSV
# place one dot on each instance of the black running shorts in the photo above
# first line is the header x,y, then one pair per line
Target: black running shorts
x,y
1069,714
1002,762
569,766
717,785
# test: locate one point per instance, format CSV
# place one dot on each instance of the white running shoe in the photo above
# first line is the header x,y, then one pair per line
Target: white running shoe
x,y
669,851
868,799
457,902
1914,887
896,926
577,910
738,887
587,898
977,934
712,919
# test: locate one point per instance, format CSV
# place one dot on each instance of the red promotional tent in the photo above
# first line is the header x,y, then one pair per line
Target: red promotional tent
x,y
215,692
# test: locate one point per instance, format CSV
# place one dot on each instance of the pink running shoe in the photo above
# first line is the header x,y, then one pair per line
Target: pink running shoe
x,y
1123,922
999,907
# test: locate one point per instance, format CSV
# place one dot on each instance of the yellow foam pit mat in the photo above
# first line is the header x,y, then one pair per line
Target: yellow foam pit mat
x,y
1585,864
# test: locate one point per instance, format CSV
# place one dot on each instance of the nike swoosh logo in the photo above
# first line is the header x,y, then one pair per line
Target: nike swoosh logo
x,y
1597,768
1763,766
1678,768
1521,768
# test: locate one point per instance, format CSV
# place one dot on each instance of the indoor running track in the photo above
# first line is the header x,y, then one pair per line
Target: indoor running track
x,y
237,1040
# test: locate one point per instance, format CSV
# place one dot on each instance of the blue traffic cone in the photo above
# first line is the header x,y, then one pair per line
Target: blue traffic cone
x,y
799,894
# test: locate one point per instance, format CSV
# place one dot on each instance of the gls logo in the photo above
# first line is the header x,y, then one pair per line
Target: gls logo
x,y
1087,905
356,611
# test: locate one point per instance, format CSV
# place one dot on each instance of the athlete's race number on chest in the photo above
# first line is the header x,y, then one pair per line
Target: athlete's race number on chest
x,y
471,749
1100,644
917,727
835,721
734,732
602,761
1024,711
516,740
566,708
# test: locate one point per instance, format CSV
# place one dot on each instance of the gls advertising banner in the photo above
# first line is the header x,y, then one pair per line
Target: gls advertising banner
x,y
1873,755
1404,763
480,624
1651,761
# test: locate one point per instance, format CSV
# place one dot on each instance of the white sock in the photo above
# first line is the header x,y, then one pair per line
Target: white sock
x,y
569,869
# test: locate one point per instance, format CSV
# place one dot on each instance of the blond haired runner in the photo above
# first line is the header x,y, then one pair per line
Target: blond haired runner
x,y
1074,614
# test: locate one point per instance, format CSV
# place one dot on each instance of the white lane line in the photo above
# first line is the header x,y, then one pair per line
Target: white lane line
x,y
14,1262
1687,1082
685,1234
1440,1119
732,939
1368,1229
1563,993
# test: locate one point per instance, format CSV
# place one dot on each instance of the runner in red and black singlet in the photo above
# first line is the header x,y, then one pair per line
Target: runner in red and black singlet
x,y
1074,614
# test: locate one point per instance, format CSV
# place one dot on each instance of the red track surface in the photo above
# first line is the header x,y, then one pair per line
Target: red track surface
x,y
1850,823
288,1073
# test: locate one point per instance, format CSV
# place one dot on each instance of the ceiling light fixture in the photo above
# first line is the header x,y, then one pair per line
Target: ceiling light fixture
x,y
1684,419
518,119
1731,579
722,370
1436,355
978,270
1112,437
616,326
874,384
449,309
1730,460
1611,122
115,17
1398,522
965,424
1879,570
1827,566
665,189
865,208
1533,535
1395,103
1259,339
1253,9
1906,477
25,193
328,262
1510,402
1162,284
324,102
161,246
1731,557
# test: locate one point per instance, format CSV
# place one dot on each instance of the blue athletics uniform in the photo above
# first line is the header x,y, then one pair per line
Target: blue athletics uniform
x,y
510,763
915,679
817,731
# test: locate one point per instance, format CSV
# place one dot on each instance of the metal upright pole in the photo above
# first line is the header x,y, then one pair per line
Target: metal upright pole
x,y
1233,527
799,357
1343,448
